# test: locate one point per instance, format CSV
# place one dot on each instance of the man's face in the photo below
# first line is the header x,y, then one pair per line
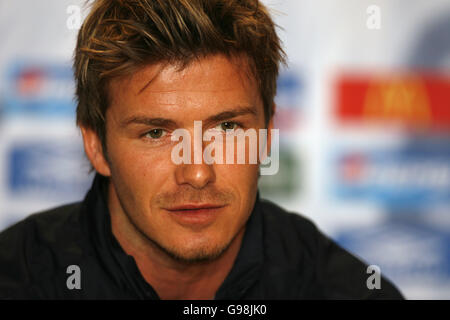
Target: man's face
x,y
192,211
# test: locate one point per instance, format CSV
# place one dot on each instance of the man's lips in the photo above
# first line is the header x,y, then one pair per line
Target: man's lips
x,y
191,215
194,207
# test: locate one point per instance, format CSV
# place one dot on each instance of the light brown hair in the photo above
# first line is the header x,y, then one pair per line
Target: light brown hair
x,y
119,36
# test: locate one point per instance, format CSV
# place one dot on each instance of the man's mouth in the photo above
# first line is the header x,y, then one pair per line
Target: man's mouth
x,y
194,207
195,214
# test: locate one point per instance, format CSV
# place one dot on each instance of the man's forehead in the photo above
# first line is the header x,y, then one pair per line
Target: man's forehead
x,y
214,71
204,88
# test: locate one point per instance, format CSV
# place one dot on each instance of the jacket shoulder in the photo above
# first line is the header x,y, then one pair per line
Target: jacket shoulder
x,y
32,248
319,266
42,227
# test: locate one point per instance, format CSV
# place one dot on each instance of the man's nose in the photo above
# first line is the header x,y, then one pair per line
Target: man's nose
x,y
196,175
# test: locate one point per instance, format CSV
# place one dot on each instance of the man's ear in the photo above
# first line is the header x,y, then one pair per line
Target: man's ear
x,y
265,152
270,127
94,151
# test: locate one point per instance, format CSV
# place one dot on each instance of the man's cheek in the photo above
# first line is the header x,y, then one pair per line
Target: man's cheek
x,y
143,159
238,174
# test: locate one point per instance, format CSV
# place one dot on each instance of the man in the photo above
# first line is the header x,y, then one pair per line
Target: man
x,y
152,227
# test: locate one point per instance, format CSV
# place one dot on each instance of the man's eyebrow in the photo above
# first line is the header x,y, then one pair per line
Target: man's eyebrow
x,y
229,114
148,121
232,113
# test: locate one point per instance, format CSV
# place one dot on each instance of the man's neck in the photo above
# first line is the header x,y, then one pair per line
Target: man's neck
x,y
181,281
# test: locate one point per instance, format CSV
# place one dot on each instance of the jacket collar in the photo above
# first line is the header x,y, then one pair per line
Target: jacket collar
x,y
122,267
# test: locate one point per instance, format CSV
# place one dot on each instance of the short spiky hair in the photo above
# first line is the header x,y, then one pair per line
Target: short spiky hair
x,y
119,36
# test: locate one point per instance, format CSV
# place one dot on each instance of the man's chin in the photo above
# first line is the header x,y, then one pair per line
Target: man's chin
x,y
195,255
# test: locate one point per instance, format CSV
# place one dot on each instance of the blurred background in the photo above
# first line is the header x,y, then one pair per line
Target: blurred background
x,y
363,112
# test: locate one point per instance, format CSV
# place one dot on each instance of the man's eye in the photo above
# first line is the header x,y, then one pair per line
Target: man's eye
x,y
156,133
227,125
